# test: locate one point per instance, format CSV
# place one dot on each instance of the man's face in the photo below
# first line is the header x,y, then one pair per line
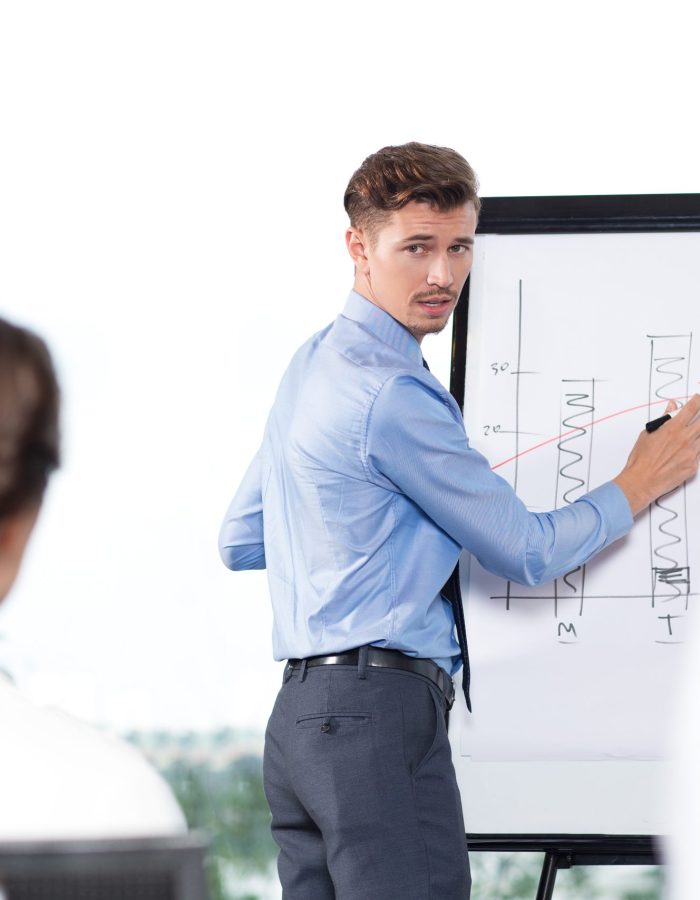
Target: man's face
x,y
417,264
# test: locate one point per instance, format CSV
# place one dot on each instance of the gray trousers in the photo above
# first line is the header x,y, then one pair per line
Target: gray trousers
x,y
359,778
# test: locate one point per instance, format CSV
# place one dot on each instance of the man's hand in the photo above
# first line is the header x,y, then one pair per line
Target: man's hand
x,y
662,460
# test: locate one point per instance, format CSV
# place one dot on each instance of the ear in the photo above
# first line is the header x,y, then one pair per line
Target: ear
x,y
357,243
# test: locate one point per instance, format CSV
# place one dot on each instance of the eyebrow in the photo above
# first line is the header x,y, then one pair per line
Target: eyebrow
x,y
431,237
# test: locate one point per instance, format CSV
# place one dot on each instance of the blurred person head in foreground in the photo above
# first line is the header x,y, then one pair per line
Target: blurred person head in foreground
x,y
29,440
59,777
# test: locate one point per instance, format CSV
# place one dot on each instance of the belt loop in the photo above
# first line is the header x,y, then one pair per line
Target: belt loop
x,y
287,674
302,670
362,661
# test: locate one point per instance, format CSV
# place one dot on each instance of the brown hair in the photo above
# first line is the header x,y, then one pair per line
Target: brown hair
x,y
394,176
29,404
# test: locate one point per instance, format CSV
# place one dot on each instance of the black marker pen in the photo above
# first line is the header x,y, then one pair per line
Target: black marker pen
x,y
657,423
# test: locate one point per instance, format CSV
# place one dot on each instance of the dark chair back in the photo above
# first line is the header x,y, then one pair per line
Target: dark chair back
x,y
169,868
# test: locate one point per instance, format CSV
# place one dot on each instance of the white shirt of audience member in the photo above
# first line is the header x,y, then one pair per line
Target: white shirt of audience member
x,y
61,778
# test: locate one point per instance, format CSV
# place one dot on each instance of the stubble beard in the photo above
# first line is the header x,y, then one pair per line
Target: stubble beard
x,y
428,328
435,326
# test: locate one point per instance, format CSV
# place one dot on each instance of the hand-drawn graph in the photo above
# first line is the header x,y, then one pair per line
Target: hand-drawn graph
x,y
575,448
669,588
573,343
669,371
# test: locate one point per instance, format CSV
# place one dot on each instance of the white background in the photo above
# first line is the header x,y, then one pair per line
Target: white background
x,y
171,181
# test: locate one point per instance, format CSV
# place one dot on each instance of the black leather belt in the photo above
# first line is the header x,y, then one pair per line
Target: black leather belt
x,y
379,658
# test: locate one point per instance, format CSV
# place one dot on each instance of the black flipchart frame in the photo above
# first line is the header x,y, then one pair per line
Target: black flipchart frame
x,y
619,213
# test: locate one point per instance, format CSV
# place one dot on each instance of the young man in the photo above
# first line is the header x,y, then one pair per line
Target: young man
x,y
358,503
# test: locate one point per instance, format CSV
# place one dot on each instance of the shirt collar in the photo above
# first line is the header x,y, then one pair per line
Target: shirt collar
x,y
382,326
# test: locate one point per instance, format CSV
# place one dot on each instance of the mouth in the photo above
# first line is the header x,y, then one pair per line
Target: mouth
x,y
436,306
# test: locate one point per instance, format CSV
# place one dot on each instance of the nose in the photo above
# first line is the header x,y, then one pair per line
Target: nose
x,y
440,273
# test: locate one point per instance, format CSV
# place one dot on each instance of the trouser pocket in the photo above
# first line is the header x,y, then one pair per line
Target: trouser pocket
x,y
422,722
333,722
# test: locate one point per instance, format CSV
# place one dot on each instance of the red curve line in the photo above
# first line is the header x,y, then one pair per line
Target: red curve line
x,y
559,437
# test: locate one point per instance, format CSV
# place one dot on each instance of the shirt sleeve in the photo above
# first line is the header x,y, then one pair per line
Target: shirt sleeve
x,y
241,542
416,444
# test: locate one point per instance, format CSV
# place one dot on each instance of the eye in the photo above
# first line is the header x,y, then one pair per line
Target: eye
x,y
460,248
416,249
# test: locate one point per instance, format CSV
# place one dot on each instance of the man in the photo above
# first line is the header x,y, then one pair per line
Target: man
x,y
358,503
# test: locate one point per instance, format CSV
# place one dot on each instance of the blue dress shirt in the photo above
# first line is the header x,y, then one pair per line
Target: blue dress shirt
x,y
365,490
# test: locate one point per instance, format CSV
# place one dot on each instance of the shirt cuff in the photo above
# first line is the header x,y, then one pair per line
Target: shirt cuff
x,y
612,505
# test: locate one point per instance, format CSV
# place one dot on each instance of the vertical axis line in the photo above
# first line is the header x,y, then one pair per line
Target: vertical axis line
x,y
517,404
517,383
685,500
559,466
588,487
685,504
649,514
556,501
590,442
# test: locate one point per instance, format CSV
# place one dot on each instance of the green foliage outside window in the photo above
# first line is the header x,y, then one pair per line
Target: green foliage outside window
x,y
229,808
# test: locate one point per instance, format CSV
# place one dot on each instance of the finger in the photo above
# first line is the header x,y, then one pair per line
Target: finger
x,y
689,411
694,421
